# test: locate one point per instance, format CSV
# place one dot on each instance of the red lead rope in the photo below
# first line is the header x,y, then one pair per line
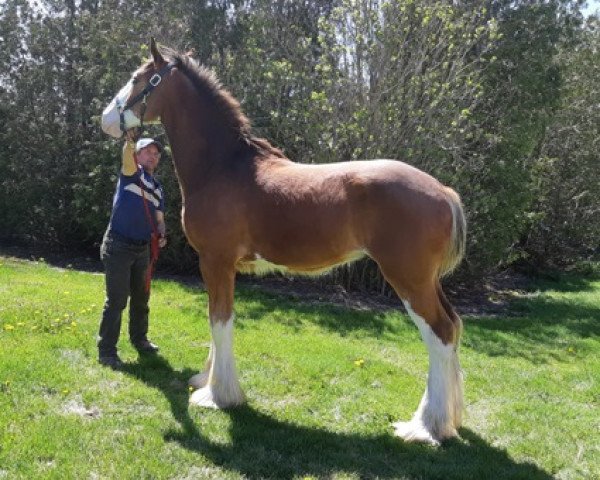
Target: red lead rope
x,y
154,237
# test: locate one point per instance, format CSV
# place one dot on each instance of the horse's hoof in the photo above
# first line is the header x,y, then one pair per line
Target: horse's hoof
x,y
199,380
203,398
416,431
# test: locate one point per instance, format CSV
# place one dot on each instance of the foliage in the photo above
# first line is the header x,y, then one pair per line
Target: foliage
x,y
566,224
463,90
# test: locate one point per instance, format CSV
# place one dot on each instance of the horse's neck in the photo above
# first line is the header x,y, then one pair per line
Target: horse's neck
x,y
190,134
188,155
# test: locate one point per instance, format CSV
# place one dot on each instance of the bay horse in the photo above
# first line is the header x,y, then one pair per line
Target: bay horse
x,y
248,208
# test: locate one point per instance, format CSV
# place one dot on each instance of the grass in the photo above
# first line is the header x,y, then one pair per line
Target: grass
x,y
323,385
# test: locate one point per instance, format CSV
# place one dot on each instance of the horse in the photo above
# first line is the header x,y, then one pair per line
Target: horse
x,y
248,208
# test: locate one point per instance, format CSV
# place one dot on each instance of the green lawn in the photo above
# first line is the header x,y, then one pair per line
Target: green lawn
x,y
323,384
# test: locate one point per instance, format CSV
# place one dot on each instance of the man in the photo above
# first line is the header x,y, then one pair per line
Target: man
x,y
137,213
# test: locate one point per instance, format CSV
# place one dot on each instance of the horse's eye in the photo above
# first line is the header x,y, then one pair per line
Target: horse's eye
x,y
134,80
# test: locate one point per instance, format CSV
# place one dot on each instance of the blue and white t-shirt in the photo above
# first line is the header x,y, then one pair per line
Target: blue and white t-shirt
x,y
129,217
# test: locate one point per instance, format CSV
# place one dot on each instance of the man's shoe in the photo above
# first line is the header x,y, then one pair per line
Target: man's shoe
x,y
146,346
112,361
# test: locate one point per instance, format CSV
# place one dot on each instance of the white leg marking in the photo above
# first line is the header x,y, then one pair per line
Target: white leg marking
x,y
440,410
222,388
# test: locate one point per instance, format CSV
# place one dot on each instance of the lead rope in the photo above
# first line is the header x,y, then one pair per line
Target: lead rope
x,y
154,237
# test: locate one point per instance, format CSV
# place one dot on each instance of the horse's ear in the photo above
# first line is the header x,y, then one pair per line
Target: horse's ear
x,y
156,55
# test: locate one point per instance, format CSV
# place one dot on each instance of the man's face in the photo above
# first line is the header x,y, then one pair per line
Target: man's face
x,y
148,157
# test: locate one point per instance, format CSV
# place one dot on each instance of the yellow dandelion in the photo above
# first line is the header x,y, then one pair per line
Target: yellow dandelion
x,y
359,362
190,389
66,292
65,391
73,324
8,327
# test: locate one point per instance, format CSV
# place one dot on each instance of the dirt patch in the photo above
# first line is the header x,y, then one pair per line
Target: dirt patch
x,y
489,297
76,406
85,261
201,472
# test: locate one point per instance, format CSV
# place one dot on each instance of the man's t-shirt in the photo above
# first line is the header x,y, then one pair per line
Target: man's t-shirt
x,y
129,217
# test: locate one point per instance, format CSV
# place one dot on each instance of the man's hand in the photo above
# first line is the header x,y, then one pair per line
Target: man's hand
x,y
162,229
131,135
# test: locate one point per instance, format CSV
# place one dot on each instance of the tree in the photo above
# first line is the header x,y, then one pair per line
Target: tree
x,y
565,220
469,91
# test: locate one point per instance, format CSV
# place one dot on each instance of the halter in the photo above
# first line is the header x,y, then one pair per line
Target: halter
x,y
143,96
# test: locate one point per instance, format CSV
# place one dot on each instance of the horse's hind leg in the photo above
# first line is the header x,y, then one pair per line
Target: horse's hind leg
x,y
440,411
219,386
458,403
450,311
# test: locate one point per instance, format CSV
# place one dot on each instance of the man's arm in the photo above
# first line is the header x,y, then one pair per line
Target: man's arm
x,y
129,165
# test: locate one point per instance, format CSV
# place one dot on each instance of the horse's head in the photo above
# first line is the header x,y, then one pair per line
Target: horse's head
x,y
138,101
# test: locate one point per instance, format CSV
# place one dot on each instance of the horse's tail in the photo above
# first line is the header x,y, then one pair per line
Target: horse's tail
x,y
456,247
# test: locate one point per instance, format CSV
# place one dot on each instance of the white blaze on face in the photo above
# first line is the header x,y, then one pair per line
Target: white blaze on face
x,y
111,118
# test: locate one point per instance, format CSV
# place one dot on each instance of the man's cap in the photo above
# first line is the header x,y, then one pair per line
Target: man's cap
x,y
144,142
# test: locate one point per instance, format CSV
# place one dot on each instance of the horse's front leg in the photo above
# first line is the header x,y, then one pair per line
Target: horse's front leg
x,y
219,385
201,379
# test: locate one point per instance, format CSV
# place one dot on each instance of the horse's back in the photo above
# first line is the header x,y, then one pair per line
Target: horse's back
x,y
352,190
289,180
331,209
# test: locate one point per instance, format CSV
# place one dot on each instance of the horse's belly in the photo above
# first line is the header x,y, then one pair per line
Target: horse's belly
x,y
261,266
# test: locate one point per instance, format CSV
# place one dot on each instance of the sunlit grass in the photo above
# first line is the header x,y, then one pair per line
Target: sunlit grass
x,y
323,385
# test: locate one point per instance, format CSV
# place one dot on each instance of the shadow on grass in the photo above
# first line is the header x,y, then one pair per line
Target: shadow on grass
x,y
546,327
254,304
261,446
156,372
539,328
566,283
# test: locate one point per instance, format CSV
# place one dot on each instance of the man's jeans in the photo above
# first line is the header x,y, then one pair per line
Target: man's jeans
x,y
125,265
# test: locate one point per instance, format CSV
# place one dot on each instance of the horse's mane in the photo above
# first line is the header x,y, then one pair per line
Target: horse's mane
x,y
207,83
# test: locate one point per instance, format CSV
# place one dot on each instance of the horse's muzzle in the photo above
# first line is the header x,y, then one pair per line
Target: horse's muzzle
x,y
111,116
